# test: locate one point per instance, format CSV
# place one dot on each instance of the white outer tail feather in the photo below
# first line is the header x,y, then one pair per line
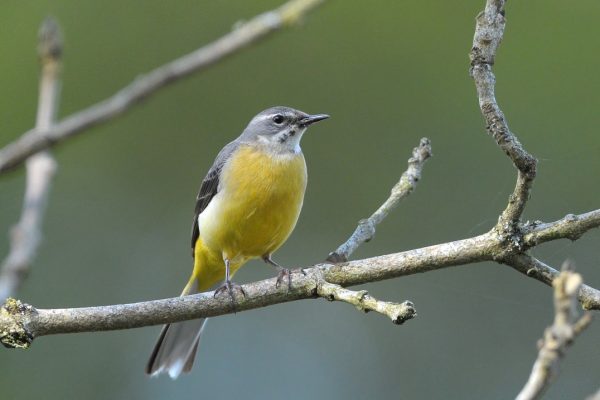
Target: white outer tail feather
x,y
176,347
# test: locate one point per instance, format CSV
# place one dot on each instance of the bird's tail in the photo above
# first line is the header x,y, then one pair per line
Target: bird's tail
x,y
176,346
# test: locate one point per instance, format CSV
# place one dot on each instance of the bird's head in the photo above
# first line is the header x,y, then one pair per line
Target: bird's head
x,y
279,129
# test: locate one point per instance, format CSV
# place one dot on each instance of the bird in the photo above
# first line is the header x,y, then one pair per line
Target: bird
x,y
247,206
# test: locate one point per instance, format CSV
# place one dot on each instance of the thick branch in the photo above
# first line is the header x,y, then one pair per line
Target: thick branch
x,y
40,168
20,327
34,323
489,31
567,325
259,27
366,227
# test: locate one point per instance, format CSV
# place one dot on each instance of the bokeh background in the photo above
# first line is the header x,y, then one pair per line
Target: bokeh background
x,y
388,72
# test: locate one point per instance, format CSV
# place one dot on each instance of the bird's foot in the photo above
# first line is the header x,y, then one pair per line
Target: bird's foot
x,y
230,287
283,273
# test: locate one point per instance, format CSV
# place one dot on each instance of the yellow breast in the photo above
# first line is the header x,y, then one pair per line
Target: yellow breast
x,y
258,204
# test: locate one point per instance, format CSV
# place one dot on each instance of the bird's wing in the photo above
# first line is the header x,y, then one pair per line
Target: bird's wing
x,y
210,187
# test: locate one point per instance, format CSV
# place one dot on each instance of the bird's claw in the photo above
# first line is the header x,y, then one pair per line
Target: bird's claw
x,y
283,272
230,287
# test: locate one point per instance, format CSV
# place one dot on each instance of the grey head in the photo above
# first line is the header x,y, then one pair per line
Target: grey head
x,y
279,129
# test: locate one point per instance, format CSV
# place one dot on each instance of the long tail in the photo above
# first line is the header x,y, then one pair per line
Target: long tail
x,y
176,346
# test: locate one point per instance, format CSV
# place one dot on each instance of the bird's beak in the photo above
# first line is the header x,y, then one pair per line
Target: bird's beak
x,y
311,119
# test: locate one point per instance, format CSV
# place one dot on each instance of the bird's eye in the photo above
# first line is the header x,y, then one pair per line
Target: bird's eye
x,y
278,119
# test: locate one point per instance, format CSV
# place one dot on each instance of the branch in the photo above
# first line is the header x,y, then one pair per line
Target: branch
x,y
366,227
397,312
20,323
567,325
570,227
489,31
247,33
534,268
40,168
24,323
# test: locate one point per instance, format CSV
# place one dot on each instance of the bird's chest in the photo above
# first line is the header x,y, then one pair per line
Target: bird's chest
x,y
261,195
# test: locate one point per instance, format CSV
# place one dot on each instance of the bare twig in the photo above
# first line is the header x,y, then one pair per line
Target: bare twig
x,y
397,312
41,167
570,227
144,86
567,325
365,231
489,31
534,268
407,183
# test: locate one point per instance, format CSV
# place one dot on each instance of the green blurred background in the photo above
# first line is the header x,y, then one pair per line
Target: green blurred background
x,y
388,72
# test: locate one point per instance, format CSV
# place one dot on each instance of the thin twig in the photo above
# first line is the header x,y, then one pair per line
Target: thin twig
x,y
397,312
489,31
570,227
144,86
407,183
40,168
536,269
363,301
567,325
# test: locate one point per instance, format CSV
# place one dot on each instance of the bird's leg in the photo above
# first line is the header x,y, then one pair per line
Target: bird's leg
x,y
282,272
228,285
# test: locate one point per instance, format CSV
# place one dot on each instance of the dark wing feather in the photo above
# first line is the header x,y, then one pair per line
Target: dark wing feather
x,y
210,187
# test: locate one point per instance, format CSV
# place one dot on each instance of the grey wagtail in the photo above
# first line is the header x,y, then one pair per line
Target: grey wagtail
x,y
247,207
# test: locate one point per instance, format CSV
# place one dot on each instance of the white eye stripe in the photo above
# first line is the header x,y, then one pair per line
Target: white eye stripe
x,y
271,116
262,118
